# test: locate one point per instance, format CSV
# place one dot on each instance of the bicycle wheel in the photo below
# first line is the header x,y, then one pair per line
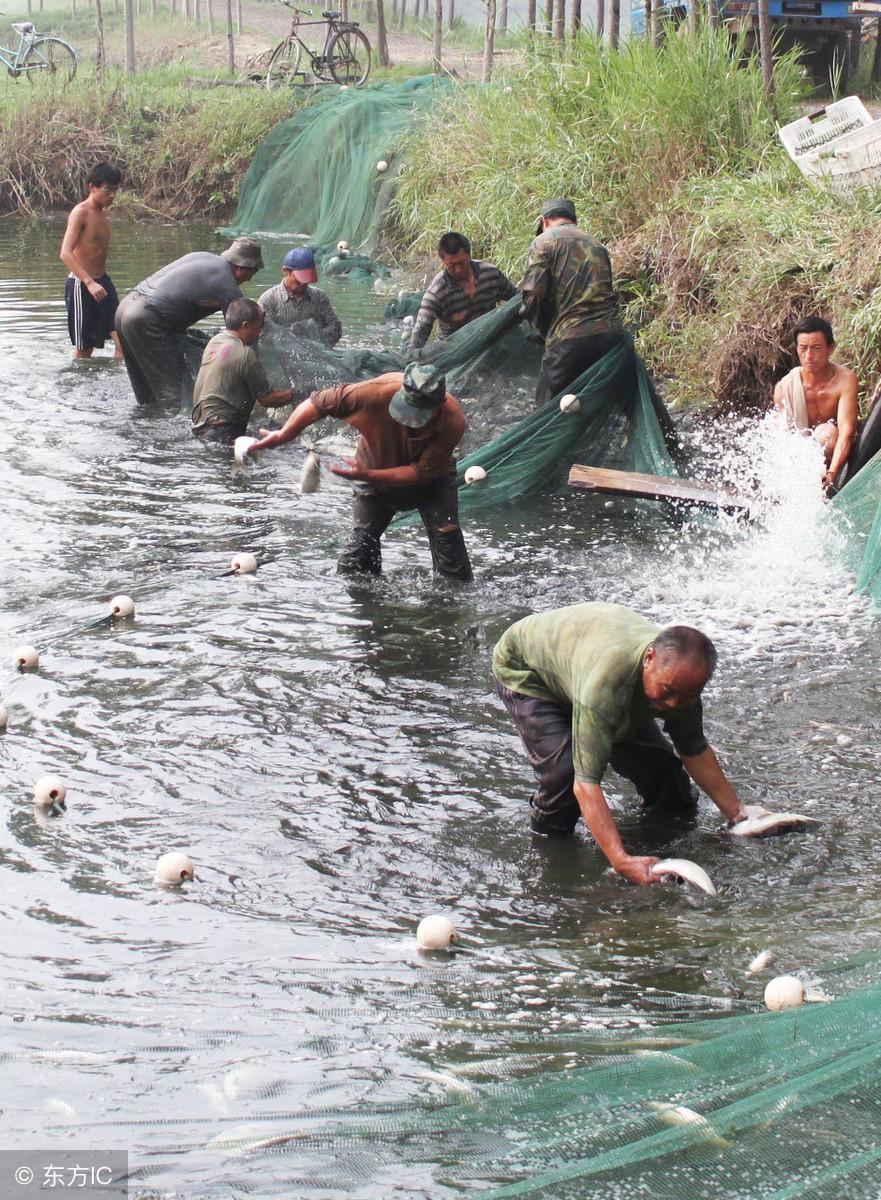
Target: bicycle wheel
x,y
254,67
283,65
348,57
50,56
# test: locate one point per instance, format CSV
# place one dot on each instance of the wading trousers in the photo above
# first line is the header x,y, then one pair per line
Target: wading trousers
x,y
153,353
564,362
437,504
647,759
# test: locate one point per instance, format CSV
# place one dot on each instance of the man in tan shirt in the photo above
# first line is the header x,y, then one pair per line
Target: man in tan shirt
x,y
819,397
409,426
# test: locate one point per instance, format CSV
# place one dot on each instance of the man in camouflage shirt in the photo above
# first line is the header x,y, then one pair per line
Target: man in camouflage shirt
x,y
568,296
303,309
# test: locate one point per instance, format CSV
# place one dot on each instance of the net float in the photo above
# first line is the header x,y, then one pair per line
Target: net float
x,y
122,606
786,991
435,933
243,564
174,867
475,474
49,792
26,658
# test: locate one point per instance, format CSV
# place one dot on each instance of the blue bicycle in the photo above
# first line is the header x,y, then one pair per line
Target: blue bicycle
x,y
38,55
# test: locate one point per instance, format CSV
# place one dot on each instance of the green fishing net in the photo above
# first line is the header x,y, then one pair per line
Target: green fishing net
x,y
857,513
315,176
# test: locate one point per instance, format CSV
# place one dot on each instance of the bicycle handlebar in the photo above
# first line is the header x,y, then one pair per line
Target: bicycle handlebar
x,y
306,11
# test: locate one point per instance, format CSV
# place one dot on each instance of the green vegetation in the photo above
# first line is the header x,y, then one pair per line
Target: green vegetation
x,y
184,152
672,157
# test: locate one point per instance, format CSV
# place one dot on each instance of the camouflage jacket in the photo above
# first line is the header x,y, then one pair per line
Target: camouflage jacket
x,y
567,289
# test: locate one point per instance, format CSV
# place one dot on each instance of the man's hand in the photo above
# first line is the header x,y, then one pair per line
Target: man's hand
x,y
352,471
269,439
636,868
829,481
97,292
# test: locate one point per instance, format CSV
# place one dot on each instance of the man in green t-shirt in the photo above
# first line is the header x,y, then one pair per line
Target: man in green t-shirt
x,y
231,379
584,685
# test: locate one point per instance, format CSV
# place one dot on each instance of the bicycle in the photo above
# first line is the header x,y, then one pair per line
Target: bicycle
x,y
38,53
344,58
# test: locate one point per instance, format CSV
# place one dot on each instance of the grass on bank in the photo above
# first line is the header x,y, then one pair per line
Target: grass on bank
x,y
184,152
718,244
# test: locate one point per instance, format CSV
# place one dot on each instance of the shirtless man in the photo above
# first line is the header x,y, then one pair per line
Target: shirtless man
x,y
819,397
90,296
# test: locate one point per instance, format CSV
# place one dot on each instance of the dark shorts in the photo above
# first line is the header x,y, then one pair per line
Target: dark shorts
x,y
647,759
218,432
90,322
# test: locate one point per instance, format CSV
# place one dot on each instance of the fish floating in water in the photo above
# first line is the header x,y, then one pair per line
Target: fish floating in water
x,y
685,869
310,474
679,1115
772,824
763,959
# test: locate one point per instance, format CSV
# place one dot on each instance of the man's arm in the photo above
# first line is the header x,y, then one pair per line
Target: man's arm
x,y
778,397
706,772
506,287
425,319
848,411
329,323
277,398
75,225
535,287
304,415
601,823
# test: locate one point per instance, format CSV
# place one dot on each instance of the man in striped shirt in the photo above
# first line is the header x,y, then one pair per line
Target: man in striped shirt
x,y
465,289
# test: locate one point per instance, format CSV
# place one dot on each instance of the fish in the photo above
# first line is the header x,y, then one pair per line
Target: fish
x,y
310,474
773,823
685,869
679,1115
763,959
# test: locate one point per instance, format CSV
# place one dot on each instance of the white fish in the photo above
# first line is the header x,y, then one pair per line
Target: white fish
x,y
763,959
449,1083
685,869
310,475
679,1115
771,823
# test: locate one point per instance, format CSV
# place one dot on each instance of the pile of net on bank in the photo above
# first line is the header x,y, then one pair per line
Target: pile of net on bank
x,y
327,174
491,365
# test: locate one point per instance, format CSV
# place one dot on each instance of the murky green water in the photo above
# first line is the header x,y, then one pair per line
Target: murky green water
x,y
334,761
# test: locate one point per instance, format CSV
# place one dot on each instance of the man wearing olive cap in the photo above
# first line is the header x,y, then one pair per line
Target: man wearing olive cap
x,y
568,296
409,426
154,316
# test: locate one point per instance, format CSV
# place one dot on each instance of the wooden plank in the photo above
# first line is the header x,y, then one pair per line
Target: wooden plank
x,y
655,487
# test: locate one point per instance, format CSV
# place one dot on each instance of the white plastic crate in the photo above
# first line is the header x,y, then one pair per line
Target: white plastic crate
x,y
840,144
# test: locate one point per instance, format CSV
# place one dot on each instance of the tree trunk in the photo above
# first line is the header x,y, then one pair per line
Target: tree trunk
x,y
416,8
197,11
600,26
73,8
344,10
403,14
559,21
394,11
437,37
502,19
209,9
188,9
530,18
693,16
489,33
100,58
129,21
614,23
655,21
452,14
549,17
575,17
230,44
240,26
765,51
30,10
713,13
382,54
876,62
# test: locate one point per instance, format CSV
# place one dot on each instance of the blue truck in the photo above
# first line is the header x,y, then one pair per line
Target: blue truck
x,y
827,31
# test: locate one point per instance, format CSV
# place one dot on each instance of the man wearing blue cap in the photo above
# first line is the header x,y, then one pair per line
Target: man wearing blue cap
x,y
303,309
409,426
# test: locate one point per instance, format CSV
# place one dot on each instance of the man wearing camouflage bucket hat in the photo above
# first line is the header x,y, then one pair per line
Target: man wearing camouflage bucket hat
x,y
568,296
409,426
154,316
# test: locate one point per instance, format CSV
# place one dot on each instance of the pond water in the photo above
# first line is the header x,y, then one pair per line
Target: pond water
x,y
332,757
